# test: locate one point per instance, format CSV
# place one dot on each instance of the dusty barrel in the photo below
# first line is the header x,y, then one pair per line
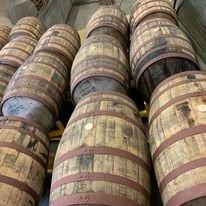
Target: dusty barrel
x,y
6,73
178,138
37,90
159,49
4,35
28,26
109,20
17,51
24,153
149,9
102,158
100,65
62,40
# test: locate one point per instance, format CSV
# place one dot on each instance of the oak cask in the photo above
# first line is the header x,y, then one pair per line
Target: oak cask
x,y
178,138
102,158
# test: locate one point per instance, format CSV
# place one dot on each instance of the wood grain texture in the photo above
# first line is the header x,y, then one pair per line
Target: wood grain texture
x,y
109,20
16,52
159,49
6,73
178,138
28,26
23,160
62,40
100,65
103,127
4,35
38,89
149,9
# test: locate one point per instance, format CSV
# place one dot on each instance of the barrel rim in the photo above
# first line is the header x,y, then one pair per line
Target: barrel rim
x,y
174,76
42,101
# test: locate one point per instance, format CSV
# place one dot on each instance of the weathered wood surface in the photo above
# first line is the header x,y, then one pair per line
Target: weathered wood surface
x,y
4,35
38,89
6,73
100,65
178,138
60,39
159,49
102,158
23,161
28,26
149,9
109,20
16,52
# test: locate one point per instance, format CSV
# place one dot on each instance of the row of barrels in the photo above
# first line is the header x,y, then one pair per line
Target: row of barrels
x,y
103,156
38,89
102,62
19,43
161,59
24,145
36,69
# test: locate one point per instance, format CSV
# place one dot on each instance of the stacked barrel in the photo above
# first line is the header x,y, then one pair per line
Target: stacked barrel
x,y
165,71
159,48
37,90
22,42
39,76
102,62
103,157
23,143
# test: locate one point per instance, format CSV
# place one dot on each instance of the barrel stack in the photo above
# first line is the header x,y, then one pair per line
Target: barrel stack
x,y
102,62
38,89
23,143
19,43
167,75
103,156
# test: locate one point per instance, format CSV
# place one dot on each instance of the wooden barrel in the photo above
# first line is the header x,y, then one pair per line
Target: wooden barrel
x,y
24,154
37,90
28,26
149,9
6,73
102,158
159,49
100,65
62,40
17,51
4,35
109,20
178,138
